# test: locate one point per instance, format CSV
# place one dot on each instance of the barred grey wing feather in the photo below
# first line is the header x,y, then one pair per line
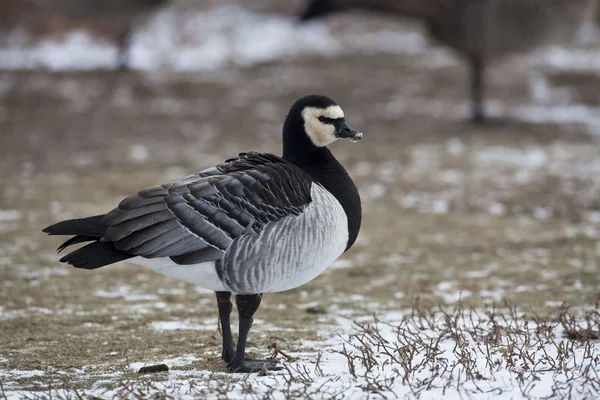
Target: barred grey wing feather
x,y
196,224
151,239
198,218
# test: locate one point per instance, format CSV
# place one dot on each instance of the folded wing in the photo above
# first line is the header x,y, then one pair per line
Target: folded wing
x,y
196,219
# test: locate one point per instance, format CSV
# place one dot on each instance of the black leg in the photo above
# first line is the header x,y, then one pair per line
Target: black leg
x,y
225,307
247,306
477,88
124,49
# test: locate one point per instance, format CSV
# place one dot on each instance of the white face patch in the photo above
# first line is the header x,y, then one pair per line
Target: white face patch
x,y
321,133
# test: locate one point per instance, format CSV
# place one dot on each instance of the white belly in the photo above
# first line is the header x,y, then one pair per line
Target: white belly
x,y
203,275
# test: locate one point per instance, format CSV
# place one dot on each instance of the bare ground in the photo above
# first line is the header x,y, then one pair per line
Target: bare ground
x,y
508,212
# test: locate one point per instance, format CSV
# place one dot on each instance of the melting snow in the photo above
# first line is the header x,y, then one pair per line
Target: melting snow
x,y
342,263
10,215
445,362
496,295
183,325
18,374
76,51
170,362
478,274
127,293
186,40
139,153
571,59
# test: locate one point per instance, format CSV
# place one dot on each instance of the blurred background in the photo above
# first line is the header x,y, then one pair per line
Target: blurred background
x,y
101,99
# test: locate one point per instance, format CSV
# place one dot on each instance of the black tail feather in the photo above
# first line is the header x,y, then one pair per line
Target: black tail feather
x,y
75,240
90,226
93,255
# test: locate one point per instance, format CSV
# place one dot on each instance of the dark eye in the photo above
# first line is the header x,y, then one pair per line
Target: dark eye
x,y
326,120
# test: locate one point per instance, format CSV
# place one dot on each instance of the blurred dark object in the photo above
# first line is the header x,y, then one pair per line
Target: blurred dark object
x,y
151,369
316,309
479,30
287,8
111,19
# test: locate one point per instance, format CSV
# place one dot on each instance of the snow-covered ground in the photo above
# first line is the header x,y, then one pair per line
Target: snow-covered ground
x,y
454,354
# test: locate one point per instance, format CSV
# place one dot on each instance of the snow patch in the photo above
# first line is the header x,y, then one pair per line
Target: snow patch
x,y
478,274
183,325
127,293
77,50
139,153
170,362
10,215
341,264
19,374
561,58
191,40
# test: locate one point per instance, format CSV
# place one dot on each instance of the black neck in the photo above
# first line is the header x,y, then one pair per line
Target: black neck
x,y
323,168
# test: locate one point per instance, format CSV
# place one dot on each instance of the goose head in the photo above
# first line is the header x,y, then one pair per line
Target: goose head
x,y
315,122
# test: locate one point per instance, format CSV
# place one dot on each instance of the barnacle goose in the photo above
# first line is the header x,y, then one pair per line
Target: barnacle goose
x,y
479,30
256,223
